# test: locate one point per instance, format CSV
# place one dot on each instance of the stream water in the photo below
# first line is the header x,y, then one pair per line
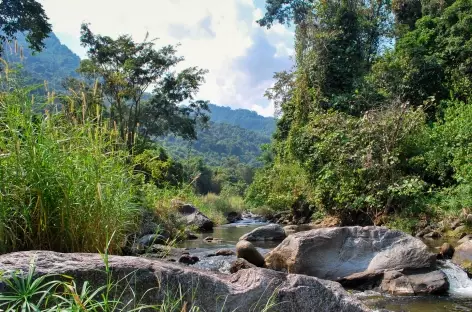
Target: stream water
x,y
459,298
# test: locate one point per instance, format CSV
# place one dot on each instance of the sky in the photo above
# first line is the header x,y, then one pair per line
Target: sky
x,y
221,36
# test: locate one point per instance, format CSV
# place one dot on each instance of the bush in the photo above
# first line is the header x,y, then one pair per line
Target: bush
x,y
63,187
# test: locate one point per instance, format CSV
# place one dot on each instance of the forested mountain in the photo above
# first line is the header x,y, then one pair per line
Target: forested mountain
x,y
219,141
243,118
53,64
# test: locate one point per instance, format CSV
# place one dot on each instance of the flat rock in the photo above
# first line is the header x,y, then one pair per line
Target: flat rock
x,y
333,253
271,232
397,283
246,290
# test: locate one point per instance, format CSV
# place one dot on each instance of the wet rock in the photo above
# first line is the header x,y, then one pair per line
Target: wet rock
x,y
433,235
464,239
190,236
333,253
233,216
210,239
446,251
225,252
271,232
246,290
246,250
187,259
363,280
240,264
397,283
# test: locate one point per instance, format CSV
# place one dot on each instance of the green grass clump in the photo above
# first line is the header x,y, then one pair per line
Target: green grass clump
x,y
64,186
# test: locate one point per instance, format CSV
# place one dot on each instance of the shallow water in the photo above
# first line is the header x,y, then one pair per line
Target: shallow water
x,y
229,235
421,304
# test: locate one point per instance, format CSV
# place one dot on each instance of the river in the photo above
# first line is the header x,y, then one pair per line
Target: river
x,y
226,236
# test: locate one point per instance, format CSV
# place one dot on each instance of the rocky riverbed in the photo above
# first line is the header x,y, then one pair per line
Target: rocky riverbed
x,y
381,269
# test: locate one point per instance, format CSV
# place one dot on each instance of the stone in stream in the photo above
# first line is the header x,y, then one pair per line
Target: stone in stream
x,y
333,253
240,264
233,216
464,239
192,216
446,251
246,250
271,232
152,280
396,283
187,259
463,255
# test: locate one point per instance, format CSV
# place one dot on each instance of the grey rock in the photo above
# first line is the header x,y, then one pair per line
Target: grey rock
x,y
271,232
456,223
151,239
464,239
247,290
192,216
240,264
187,259
333,253
463,254
460,231
397,283
469,219
424,231
362,281
233,216
246,250
225,252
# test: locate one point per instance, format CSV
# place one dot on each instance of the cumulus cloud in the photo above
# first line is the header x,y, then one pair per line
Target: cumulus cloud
x,y
219,35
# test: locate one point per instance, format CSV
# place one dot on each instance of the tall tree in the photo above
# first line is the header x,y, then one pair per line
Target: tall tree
x,y
127,69
24,16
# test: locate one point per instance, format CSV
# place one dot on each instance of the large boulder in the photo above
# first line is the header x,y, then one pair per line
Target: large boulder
x,y
193,217
247,251
333,253
151,280
271,232
463,255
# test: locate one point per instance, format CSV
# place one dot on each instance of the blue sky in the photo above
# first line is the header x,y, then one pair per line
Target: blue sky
x,y
219,35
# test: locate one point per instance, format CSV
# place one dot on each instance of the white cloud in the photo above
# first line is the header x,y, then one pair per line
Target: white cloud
x,y
217,35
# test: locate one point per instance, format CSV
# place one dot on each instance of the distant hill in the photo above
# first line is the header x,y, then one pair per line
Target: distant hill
x,y
243,118
218,142
53,64
232,132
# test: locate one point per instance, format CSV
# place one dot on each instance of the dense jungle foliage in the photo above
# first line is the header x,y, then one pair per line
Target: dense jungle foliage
x,y
375,116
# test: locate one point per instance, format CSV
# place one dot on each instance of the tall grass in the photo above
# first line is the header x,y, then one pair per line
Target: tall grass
x,y
63,186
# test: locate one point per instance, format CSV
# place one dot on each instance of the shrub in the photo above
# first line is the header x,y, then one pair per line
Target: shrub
x,y
63,186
